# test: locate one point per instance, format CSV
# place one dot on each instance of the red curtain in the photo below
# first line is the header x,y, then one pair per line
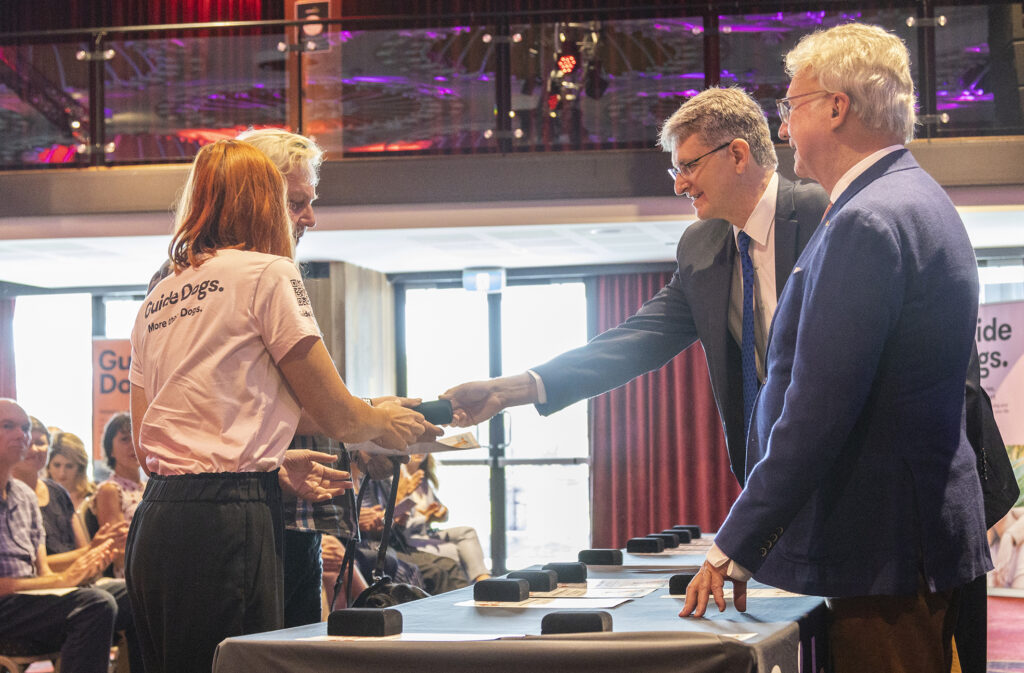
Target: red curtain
x,y
7,382
657,450
22,15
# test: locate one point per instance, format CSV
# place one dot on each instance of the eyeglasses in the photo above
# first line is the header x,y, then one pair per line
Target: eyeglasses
x,y
686,170
785,105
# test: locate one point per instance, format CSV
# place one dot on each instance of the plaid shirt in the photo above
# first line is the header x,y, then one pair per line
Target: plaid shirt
x,y
330,516
21,531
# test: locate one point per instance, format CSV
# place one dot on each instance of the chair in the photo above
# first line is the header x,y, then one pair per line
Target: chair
x,y
15,657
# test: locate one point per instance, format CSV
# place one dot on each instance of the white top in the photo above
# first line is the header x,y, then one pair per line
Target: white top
x,y
760,226
205,349
855,171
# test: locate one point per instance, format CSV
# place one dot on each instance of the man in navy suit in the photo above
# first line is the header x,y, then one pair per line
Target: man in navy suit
x,y
724,160
861,483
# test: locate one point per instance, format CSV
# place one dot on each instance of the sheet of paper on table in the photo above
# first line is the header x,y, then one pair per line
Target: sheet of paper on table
x,y
458,442
612,588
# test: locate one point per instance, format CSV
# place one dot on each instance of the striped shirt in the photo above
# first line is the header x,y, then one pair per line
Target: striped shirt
x,y
329,516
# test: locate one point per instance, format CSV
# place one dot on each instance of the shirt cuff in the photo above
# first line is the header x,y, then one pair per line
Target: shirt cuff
x,y
734,571
542,397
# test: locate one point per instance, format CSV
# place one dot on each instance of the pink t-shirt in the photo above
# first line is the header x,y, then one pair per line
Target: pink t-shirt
x,y
205,347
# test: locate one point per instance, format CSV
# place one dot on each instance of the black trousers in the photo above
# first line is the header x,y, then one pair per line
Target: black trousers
x,y
971,632
303,574
80,624
203,563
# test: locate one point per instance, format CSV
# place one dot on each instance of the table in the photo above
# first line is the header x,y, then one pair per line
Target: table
x,y
775,635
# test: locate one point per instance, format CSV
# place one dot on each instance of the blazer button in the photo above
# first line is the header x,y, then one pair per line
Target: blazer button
x,y
768,543
764,552
773,537
778,531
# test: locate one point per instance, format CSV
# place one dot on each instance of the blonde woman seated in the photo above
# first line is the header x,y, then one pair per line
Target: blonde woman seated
x,y
67,465
419,479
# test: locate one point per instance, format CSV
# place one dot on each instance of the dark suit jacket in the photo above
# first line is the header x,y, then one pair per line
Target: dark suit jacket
x,y
694,305
861,479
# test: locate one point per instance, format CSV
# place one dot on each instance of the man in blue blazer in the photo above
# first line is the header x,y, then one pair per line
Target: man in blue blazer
x,y
725,161
861,483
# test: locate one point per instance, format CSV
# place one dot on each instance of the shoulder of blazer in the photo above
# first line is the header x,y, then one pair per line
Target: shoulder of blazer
x,y
800,201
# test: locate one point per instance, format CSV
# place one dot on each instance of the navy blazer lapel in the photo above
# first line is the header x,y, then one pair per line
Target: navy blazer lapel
x,y
898,160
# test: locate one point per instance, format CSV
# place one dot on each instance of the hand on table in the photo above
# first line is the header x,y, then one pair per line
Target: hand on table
x,y
710,582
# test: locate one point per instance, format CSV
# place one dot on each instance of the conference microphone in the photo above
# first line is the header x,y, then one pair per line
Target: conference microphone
x,y
575,621
694,530
645,545
671,539
683,535
364,622
502,591
568,573
601,557
438,412
540,580
677,583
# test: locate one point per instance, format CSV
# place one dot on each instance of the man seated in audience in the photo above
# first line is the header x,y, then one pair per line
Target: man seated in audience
x,y
62,547
79,623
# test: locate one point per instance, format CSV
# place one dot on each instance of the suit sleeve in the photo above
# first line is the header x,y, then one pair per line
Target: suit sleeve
x,y
656,333
851,298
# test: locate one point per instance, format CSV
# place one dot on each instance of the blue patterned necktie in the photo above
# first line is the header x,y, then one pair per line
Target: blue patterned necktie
x,y
747,347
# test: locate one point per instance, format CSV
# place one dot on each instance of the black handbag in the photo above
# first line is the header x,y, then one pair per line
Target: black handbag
x,y
383,592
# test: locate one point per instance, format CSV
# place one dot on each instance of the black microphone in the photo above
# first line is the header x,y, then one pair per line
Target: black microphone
x,y
438,412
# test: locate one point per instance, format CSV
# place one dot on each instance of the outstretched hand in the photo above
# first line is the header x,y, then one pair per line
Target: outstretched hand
x,y
473,402
306,475
710,582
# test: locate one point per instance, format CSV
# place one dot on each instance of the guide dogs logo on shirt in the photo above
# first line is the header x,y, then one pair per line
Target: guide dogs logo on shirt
x,y
300,292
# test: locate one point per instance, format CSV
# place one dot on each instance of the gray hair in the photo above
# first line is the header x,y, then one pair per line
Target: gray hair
x,y
289,151
869,65
718,116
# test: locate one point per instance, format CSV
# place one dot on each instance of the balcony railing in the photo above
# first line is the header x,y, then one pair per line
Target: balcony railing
x,y
483,84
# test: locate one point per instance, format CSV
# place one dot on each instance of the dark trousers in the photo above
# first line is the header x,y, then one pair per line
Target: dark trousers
x,y
303,574
80,624
971,633
203,563
893,634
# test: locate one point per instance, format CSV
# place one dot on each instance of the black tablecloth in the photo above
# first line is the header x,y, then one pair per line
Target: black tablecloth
x,y
773,636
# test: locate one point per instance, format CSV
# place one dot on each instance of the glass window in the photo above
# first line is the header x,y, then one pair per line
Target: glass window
x,y
43,105
538,322
121,312
447,342
548,513
53,360
753,47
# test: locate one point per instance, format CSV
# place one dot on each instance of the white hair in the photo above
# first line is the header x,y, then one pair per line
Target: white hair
x,y
868,64
290,152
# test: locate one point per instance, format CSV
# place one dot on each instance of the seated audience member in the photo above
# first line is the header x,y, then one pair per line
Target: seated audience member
x,y
64,542
67,466
1007,541
117,498
419,479
440,574
79,623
